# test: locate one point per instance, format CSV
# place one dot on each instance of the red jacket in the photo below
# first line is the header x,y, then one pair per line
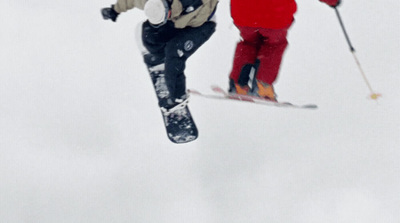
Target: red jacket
x,y
273,14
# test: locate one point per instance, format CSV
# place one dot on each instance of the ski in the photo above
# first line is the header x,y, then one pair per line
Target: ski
x,y
224,95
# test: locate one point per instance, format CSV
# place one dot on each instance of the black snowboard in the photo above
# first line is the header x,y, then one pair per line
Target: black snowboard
x,y
178,121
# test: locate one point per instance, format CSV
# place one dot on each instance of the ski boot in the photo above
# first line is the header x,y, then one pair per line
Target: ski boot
x,y
263,90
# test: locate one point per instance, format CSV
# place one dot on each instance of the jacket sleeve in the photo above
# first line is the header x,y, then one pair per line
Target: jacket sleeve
x,y
125,5
194,15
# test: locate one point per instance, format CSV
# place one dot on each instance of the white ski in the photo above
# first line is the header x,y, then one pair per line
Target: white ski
x,y
224,95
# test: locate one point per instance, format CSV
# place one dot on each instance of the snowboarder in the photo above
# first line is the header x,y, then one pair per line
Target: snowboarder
x,y
173,31
263,26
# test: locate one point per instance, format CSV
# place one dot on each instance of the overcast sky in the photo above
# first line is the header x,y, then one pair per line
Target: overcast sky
x,y
82,139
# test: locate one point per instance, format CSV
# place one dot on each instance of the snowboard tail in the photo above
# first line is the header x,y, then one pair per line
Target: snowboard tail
x,y
180,126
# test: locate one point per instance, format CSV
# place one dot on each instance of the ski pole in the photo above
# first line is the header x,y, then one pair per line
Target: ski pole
x,y
353,51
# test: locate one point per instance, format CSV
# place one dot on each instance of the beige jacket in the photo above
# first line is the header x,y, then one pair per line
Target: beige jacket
x,y
194,19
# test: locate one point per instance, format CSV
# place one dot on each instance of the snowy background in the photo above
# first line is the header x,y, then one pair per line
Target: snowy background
x,y
82,139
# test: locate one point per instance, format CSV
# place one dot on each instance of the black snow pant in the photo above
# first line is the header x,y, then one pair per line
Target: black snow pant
x,y
172,46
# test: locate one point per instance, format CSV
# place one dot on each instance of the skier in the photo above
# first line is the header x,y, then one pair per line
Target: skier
x,y
263,26
174,30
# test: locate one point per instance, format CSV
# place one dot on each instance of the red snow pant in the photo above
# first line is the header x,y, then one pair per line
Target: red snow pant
x,y
266,45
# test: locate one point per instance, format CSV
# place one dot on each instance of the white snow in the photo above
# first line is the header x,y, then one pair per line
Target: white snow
x,y
82,139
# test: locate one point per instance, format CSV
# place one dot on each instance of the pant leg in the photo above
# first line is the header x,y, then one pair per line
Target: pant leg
x,y
178,50
155,41
271,53
245,54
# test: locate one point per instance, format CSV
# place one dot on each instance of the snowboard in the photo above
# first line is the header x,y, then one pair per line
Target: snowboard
x,y
224,95
178,121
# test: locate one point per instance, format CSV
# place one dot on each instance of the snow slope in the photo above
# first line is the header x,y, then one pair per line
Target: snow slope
x,y
81,138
